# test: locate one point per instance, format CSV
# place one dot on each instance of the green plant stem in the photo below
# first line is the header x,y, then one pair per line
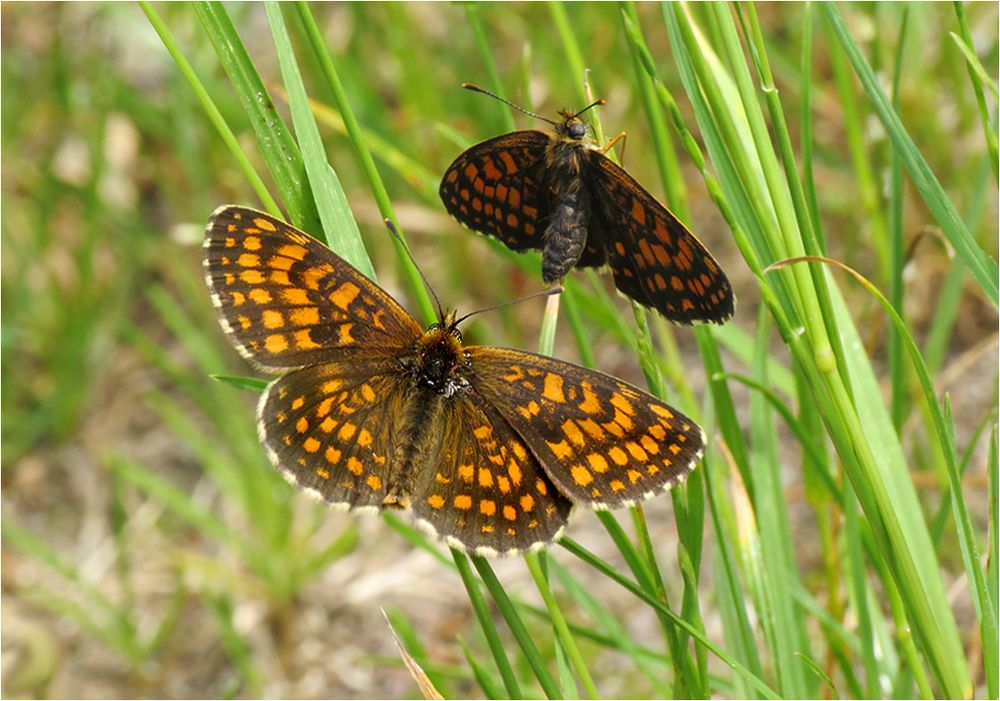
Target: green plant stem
x,y
482,612
516,626
965,43
559,623
366,162
983,268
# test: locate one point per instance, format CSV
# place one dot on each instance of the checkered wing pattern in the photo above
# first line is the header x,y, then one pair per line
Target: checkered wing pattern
x,y
328,428
603,442
653,257
282,296
497,187
482,489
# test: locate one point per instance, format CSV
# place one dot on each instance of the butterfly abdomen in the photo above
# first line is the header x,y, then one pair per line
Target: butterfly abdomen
x,y
565,234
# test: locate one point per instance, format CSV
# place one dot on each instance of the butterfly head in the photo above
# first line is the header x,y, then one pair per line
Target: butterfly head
x,y
571,127
439,354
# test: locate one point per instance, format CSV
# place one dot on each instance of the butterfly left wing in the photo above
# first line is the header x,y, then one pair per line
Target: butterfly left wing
x,y
602,441
332,429
286,300
654,258
497,187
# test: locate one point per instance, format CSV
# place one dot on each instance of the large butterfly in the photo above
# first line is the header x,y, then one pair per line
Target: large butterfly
x,y
487,447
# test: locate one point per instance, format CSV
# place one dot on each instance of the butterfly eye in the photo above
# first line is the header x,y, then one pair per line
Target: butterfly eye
x,y
577,130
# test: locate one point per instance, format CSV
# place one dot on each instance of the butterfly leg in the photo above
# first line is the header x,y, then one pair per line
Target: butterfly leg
x,y
623,137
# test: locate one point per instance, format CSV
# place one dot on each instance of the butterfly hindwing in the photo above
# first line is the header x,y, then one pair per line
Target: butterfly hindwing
x,y
282,296
329,429
654,258
603,442
483,482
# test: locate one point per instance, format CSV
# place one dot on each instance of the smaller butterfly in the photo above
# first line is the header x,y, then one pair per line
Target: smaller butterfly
x,y
559,193
487,447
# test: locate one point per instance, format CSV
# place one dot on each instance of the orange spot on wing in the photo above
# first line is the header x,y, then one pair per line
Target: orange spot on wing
x,y
553,388
306,316
581,475
272,319
344,295
276,343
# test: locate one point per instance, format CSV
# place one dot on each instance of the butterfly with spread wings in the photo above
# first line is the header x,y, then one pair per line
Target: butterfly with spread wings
x,y
558,192
487,447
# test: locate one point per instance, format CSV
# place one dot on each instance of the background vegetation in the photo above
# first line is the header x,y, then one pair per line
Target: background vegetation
x,y
840,537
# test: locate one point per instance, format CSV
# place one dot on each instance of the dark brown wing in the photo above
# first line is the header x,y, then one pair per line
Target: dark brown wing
x,y
482,489
603,442
286,300
655,260
497,187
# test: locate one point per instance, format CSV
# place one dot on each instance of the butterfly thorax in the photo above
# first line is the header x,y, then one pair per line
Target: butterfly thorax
x,y
438,358
566,232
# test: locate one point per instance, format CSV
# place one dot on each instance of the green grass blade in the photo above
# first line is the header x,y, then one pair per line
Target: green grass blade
x,y
513,619
784,624
983,268
991,656
339,225
979,78
210,109
486,625
367,163
274,140
651,599
566,639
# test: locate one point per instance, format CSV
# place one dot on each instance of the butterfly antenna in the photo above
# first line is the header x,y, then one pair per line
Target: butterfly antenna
x,y
541,293
409,254
484,91
595,103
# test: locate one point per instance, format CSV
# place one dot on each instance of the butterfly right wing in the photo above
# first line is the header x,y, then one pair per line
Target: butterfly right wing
x,y
282,296
603,442
654,258
497,187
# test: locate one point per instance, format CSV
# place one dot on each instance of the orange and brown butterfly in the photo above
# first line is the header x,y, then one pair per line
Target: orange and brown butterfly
x,y
487,447
559,193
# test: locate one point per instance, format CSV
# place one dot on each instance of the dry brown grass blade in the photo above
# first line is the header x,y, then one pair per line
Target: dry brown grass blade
x,y
419,676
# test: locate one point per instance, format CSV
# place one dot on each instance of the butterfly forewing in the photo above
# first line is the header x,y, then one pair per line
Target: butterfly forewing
x,y
655,260
497,187
482,487
603,442
283,297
